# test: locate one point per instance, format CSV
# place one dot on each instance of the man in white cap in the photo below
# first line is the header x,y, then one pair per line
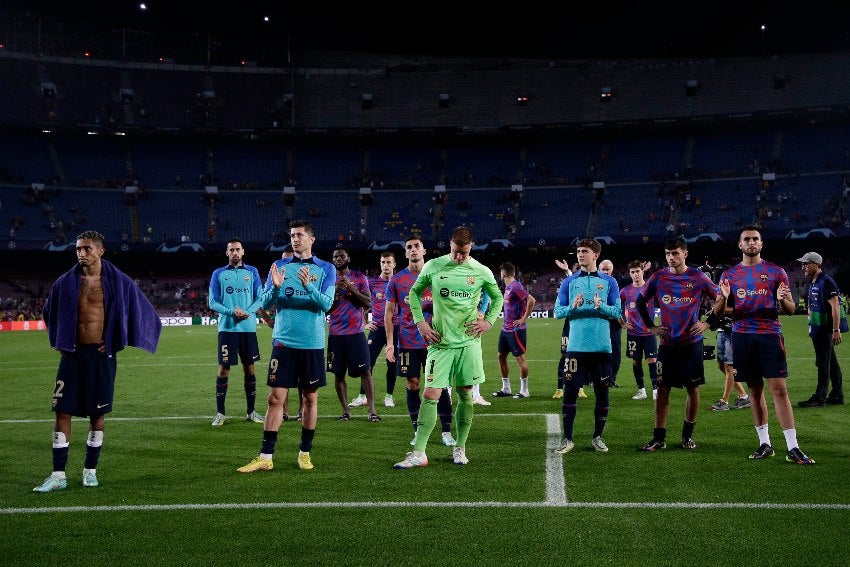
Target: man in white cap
x,y
824,300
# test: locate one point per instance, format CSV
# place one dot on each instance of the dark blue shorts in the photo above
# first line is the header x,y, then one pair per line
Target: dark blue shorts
x,y
411,362
377,340
757,356
641,347
232,344
512,342
564,341
584,368
296,367
681,366
348,352
85,382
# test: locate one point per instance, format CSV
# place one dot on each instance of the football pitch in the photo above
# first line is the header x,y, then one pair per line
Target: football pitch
x,y
169,492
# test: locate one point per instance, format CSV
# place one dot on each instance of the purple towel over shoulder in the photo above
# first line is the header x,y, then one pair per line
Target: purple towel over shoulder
x,y
130,318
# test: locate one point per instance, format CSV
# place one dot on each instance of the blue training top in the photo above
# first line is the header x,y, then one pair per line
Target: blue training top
x,y
590,330
232,287
301,311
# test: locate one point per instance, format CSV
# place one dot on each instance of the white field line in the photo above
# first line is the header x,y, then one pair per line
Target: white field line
x,y
555,490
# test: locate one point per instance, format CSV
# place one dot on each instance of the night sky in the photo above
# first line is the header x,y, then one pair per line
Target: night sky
x,y
524,29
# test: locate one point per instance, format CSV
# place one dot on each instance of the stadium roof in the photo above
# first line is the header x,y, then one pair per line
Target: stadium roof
x,y
525,29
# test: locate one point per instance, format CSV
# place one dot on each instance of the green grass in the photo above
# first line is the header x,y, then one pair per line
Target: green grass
x,y
170,495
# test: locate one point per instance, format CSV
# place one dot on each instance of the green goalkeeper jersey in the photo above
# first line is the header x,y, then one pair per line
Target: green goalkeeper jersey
x,y
456,290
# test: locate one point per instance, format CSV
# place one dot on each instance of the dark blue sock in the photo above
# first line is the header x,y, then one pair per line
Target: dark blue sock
x,y
600,411
391,377
414,400
568,408
638,371
444,410
250,392
220,393
60,458
306,439
269,442
92,456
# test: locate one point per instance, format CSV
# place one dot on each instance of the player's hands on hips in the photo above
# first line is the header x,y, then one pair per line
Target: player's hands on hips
x,y
660,330
478,327
698,328
427,333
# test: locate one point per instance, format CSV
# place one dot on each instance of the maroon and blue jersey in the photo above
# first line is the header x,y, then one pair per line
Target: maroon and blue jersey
x,y
752,290
346,315
628,299
397,291
515,299
378,289
679,296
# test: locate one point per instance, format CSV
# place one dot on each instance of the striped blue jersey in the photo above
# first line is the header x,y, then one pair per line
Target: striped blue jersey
x,y
232,287
679,297
301,311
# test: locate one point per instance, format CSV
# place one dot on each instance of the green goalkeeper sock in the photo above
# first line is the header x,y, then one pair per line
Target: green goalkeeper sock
x,y
427,422
463,416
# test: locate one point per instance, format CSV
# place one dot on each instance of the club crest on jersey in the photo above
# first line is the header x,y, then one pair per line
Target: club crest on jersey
x,y
314,278
379,295
470,280
689,286
246,278
763,277
600,287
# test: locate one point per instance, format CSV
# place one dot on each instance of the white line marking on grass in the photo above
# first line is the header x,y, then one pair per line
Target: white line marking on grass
x,y
370,504
556,496
237,418
556,492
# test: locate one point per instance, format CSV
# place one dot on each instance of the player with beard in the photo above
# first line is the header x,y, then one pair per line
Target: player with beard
x,y
412,348
348,350
757,291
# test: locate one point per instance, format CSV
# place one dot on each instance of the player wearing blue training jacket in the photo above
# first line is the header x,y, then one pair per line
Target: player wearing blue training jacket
x,y
235,295
590,300
301,289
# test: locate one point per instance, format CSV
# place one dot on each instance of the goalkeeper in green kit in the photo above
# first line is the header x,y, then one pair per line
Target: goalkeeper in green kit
x,y
457,282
